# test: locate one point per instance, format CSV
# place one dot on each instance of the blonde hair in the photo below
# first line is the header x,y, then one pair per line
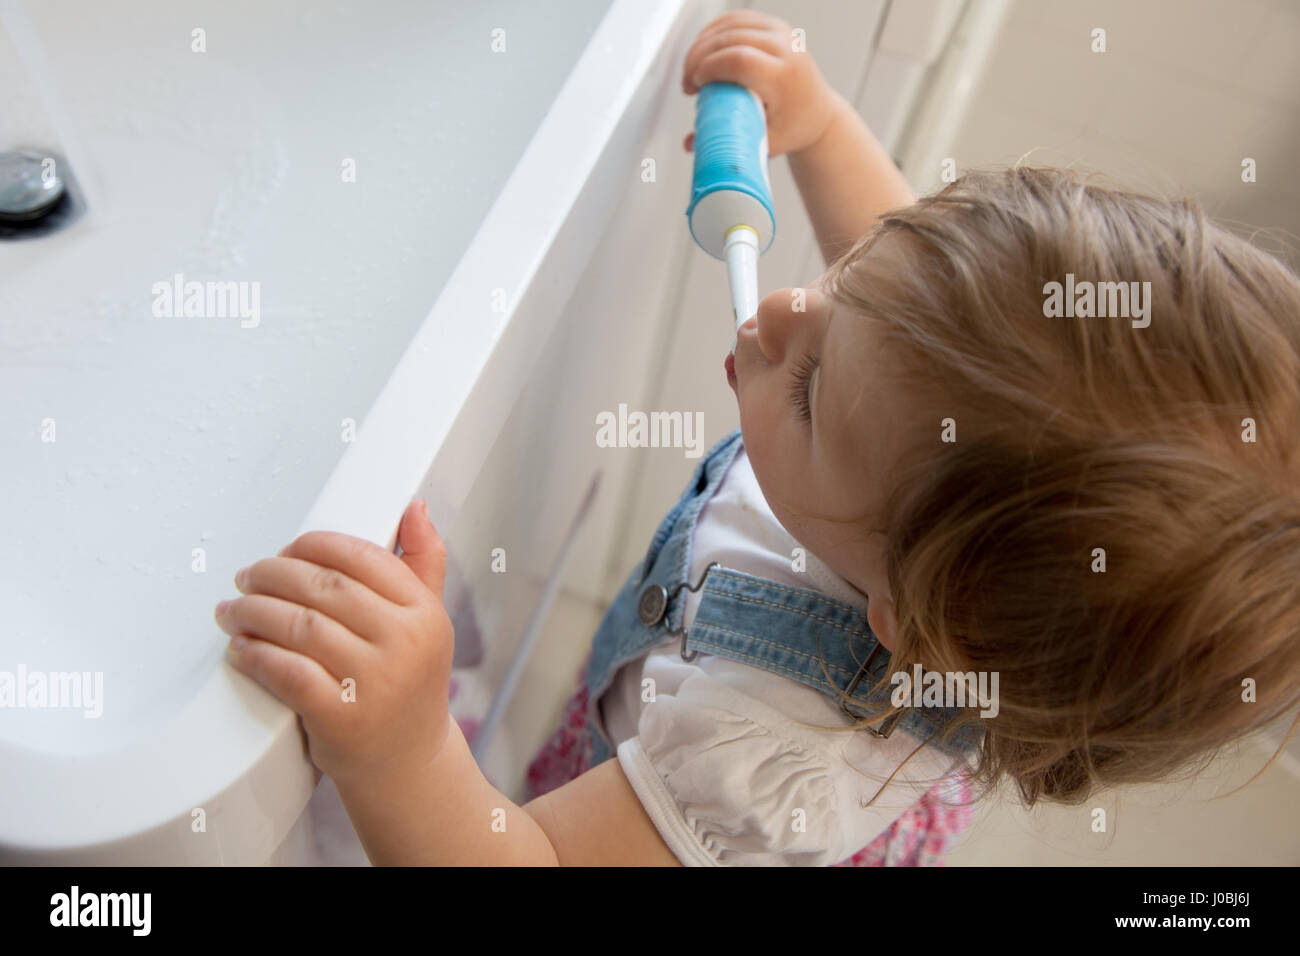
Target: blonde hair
x,y
1082,433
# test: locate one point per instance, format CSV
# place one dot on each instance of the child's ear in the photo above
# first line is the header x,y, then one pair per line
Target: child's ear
x,y
880,615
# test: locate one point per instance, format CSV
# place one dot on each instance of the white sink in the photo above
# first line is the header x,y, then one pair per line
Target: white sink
x,y
176,433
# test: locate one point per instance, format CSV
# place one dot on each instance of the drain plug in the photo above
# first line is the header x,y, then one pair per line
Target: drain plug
x,y
30,186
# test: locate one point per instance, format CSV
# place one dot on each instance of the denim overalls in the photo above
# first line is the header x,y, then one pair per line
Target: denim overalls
x,y
744,618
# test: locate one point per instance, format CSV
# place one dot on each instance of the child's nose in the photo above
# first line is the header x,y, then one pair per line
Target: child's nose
x,y
782,315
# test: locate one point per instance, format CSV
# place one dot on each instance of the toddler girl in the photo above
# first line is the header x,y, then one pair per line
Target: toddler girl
x,y
1085,519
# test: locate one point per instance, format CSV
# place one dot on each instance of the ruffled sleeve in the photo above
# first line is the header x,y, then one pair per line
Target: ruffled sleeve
x,y
730,781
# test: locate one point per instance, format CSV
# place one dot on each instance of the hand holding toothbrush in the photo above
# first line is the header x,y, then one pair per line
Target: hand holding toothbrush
x,y
846,178
756,51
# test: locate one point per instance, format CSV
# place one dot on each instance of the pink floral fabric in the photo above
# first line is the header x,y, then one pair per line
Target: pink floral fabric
x,y
564,756
919,837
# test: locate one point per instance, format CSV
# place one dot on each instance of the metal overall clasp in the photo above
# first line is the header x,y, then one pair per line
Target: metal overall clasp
x,y
889,723
653,606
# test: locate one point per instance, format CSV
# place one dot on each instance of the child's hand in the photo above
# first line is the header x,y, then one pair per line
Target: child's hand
x,y
331,607
755,50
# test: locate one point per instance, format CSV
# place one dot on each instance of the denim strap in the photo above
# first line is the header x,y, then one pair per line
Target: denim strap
x,y
784,629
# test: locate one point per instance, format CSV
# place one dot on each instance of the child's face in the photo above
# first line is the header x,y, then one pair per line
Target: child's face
x,y
830,462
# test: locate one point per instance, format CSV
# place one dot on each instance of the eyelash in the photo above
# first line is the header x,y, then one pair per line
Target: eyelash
x,y
801,376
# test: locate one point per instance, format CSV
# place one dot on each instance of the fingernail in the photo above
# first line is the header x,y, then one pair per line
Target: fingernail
x,y
221,607
237,642
240,576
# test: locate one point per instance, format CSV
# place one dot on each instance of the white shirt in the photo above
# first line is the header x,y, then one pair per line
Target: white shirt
x,y
717,760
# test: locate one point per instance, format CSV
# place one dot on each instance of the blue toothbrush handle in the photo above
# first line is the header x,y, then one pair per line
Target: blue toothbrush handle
x,y
730,186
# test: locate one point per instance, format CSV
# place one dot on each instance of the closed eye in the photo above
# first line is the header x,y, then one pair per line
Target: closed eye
x,y
800,378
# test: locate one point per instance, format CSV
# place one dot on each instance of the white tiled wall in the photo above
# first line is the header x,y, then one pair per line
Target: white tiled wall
x,y
1185,90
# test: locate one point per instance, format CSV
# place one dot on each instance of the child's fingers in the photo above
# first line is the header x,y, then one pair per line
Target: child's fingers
x,y
334,594
750,67
741,18
296,628
422,548
375,567
297,681
764,40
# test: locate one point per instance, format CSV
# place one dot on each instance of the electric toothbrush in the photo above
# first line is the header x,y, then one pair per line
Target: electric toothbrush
x,y
730,214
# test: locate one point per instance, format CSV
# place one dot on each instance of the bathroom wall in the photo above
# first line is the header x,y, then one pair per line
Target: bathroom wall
x,y
1185,90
